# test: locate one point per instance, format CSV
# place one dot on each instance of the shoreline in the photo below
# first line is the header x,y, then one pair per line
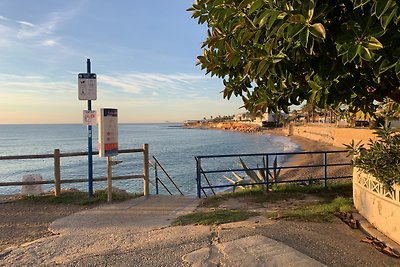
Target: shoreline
x,y
304,145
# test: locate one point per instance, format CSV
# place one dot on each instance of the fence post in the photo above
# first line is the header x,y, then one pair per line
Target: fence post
x,y
325,170
146,169
109,179
198,167
57,172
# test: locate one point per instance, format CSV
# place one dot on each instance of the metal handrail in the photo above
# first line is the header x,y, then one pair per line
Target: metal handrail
x,y
202,173
158,180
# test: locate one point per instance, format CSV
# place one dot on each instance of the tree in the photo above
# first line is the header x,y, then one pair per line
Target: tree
x,y
275,53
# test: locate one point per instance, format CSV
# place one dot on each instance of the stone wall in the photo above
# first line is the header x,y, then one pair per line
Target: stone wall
x,y
334,135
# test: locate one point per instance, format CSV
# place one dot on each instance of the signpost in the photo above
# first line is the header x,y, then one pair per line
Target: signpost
x,y
89,117
108,142
87,90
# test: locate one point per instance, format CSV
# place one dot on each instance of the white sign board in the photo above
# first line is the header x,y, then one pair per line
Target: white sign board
x,y
89,117
87,86
108,132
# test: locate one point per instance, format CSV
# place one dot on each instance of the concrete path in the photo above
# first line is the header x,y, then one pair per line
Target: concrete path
x,y
137,233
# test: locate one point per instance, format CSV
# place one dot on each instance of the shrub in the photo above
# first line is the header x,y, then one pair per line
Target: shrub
x,y
382,158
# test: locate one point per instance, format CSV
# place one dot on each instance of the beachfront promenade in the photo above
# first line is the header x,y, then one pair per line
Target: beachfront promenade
x,y
137,233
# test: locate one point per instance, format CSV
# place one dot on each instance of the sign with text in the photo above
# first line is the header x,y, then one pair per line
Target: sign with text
x,y
108,132
87,86
89,117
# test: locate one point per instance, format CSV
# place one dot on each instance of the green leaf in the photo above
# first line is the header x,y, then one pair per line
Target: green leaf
x,y
387,18
310,12
260,68
386,65
256,5
297,18
374,44
294,30
262,19
364,53
305,33
352,53
244,3
397,68
318,30
272,19
381,6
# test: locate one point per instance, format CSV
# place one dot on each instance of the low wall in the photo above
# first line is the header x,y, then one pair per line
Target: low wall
x,y
381,207
333,135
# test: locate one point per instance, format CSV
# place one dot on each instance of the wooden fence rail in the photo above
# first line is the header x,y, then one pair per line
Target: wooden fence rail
x,y
57,169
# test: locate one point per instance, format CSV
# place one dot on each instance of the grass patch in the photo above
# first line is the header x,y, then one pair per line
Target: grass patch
x,y
76,197
284,192
215,217
214,201
316,213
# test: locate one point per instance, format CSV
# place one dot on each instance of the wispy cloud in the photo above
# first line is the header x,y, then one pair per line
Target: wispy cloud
x,y
156,84
41,33
34,84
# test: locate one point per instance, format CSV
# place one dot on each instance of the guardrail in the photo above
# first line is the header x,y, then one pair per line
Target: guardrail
x,y
57,181
266,158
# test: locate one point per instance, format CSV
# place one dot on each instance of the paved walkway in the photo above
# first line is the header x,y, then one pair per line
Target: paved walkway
x,y
137,233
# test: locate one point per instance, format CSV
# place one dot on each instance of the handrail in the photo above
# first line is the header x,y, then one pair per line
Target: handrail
x,y
157,163
202,173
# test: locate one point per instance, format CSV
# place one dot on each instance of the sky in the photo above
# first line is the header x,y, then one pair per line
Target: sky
x,y
143,53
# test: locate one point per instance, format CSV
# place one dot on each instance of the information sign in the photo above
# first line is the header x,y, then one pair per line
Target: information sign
x,y
89,117
108,132
87,86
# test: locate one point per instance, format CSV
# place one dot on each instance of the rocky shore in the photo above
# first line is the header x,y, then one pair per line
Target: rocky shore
x,y
227,126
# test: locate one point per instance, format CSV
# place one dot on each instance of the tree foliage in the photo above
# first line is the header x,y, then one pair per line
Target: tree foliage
x,y
274,53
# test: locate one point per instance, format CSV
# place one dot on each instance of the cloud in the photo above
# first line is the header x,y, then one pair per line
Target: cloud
x,y
34,84
42,33
156,84
49,43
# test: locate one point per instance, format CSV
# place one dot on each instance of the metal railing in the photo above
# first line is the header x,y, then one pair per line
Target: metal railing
x,y
157,165
57,181
266,158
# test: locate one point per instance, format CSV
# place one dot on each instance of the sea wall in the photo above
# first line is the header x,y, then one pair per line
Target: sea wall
x,y
333,135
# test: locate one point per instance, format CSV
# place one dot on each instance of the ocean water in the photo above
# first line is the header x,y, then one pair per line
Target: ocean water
x,y
173,145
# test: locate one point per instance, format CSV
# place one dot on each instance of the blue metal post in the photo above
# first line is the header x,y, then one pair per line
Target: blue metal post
x,y
198,166
90,147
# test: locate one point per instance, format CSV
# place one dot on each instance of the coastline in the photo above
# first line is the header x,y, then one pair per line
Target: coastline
x,y
304,144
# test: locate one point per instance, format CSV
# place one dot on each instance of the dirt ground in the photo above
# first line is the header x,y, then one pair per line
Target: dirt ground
x,y
22,222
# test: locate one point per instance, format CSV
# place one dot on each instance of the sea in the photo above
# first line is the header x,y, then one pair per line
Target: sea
x,y
172,144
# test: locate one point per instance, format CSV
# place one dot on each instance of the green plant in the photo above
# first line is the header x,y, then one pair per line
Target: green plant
x,y
258,177
382,158
321,212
